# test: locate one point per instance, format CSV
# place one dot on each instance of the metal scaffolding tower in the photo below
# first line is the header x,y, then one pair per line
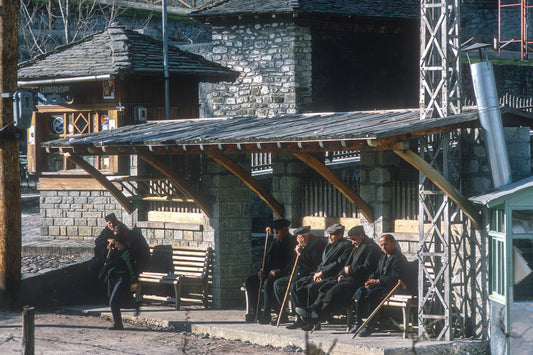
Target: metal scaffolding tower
x,y
513,23
442,300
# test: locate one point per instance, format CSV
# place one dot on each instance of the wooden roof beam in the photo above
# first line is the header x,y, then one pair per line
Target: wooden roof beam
x,y
102,180
338,183
439,180
249,181
178,181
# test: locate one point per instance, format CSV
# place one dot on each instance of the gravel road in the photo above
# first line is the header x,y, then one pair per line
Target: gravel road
x,y
60,334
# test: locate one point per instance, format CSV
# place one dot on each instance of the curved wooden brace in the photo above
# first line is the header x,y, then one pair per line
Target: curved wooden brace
x,y
338,183
249,181
178,181
102,180
439,180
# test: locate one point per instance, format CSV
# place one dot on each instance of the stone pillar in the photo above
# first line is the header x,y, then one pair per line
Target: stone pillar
x,y
287,176
232,225
377,171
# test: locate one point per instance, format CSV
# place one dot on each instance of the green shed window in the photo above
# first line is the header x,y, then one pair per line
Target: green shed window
x,y
497,267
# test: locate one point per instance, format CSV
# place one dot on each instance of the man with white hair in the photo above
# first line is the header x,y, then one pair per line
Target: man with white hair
x,y
309,249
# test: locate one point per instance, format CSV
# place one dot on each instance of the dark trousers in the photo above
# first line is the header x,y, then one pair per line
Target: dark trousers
x,y
338,295
252,290
280,287
305,291
118,293
367,301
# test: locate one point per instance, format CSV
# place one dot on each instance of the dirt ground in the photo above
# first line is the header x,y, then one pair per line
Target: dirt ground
x,y
74,334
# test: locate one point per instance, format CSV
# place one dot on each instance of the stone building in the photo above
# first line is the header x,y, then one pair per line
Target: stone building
x,y
312,56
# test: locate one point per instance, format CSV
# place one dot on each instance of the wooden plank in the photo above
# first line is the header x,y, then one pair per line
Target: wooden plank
x,y
102,180
178,181
249,181
339,184
421,165
68,183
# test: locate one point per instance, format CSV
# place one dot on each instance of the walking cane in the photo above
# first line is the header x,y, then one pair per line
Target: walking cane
x,y
261,278
287,291
398,285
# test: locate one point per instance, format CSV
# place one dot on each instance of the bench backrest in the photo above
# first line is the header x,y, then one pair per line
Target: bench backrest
x,y
187,261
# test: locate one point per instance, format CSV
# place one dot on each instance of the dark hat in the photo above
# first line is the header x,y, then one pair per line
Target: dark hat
x,y
335,229
302,230
121,233
110,217
280,223
356,230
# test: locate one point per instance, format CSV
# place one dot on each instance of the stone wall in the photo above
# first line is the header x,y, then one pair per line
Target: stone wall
x,y
274,62
78,214
476,175
182,234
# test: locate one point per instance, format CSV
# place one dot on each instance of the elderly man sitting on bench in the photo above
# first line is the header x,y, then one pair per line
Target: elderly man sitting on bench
x,y
391,266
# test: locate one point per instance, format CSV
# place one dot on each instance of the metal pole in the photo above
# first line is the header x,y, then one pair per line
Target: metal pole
x,y
10,239
491,120
165,59
28,330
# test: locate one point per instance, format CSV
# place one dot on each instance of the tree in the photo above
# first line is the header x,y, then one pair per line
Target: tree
x,y
46,25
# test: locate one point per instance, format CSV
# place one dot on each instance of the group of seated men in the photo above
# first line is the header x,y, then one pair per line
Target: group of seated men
x,y
326,276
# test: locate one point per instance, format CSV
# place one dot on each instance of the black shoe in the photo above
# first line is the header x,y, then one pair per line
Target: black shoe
x,y
308,314
354,328
249,318
264,319
296,325
284,319
366,331
116,327
311,327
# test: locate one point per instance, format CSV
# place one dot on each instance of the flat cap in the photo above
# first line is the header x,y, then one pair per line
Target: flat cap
x,y
302,230
335,229
356,230
121,233
280,223
110,217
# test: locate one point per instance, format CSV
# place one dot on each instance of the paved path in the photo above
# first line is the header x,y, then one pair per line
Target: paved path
x,y
229,324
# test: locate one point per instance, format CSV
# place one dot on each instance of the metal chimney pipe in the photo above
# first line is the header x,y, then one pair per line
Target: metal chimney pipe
x,y
491,121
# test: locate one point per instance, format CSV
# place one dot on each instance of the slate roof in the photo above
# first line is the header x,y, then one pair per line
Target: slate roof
x,y
117,50
271,134
409,9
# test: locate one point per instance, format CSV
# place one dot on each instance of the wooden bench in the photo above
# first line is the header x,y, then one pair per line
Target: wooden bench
x,y
187,266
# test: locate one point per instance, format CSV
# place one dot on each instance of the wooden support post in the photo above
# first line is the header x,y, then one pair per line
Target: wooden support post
x,y
338,183
421,165
28,330
183,185
249,181
10,239
102,180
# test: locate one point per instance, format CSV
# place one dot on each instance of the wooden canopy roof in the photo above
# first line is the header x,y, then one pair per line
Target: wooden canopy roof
x,y
288,133
298,134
